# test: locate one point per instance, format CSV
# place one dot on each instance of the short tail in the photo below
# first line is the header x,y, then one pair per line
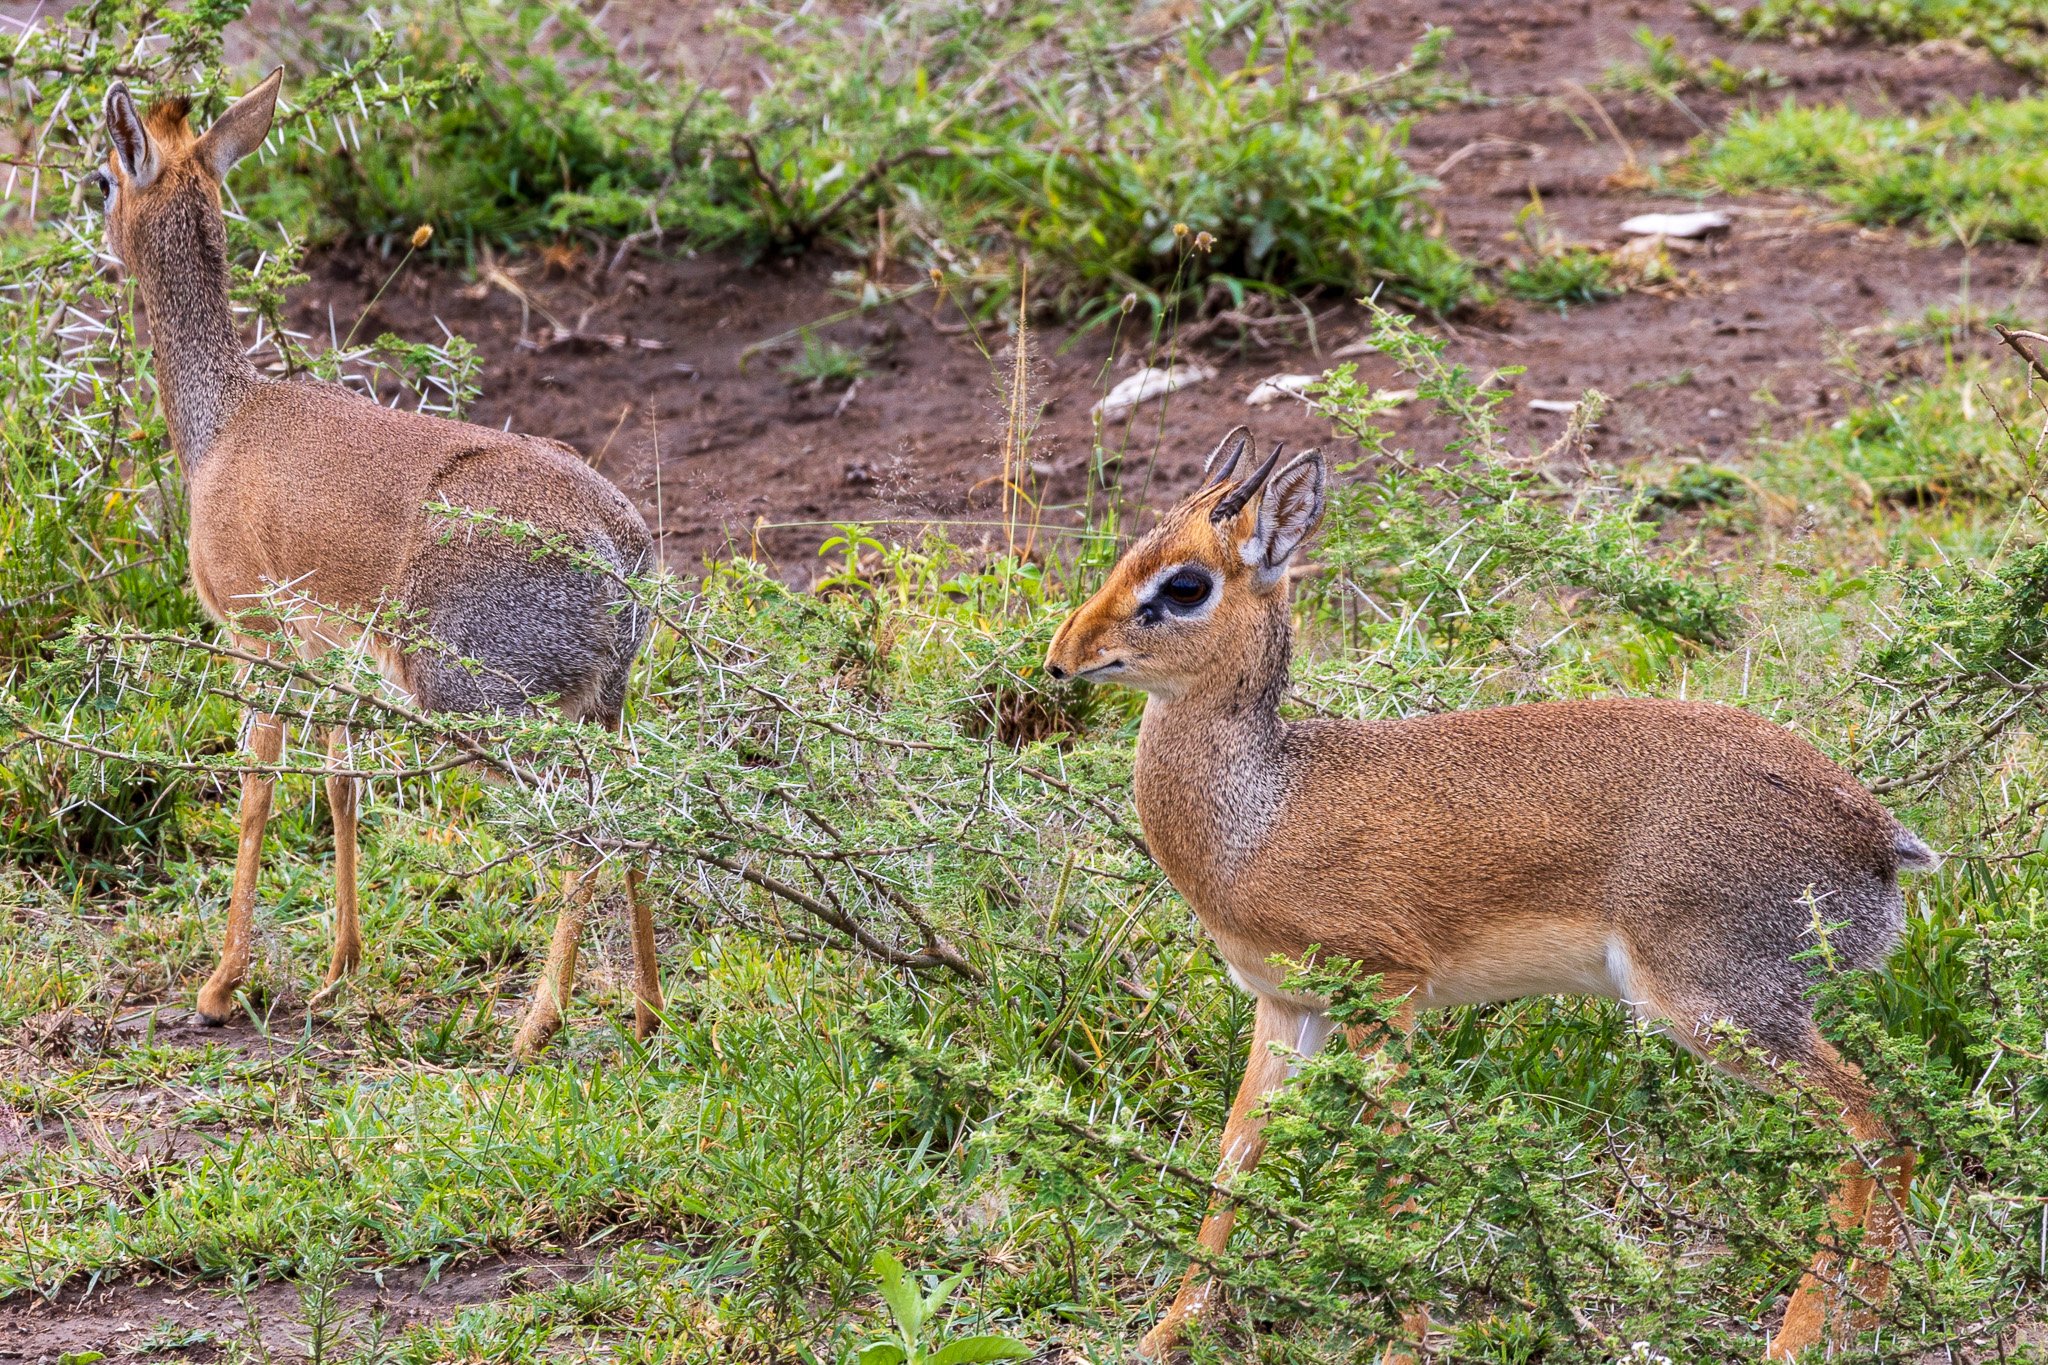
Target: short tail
x,y
1914,854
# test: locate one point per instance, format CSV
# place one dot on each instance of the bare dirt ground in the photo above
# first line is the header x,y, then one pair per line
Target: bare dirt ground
x,y
730,457
721,454
163,1320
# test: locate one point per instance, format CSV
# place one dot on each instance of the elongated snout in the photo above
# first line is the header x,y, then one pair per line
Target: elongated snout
x,y
1059,659
1083,639
1088,643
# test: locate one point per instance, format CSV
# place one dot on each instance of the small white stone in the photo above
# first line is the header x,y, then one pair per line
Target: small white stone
x,y
1551,405
1150,383
1275,387
1685,226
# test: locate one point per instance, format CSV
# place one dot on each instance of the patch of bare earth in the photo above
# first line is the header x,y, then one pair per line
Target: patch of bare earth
x,y
135,1318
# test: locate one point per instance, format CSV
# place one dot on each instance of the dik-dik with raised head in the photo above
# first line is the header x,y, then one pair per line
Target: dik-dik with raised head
x,y
307,488
1672,855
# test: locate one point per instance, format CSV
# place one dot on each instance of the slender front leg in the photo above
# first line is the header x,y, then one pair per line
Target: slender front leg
x,y
1298,1032
1415,1323
341,803
217,996
647,1002
558,976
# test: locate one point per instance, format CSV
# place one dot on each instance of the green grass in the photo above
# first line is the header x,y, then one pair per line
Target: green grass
x,y
825,364
1664,71
1913,442
1569,275
2014,31
1968,171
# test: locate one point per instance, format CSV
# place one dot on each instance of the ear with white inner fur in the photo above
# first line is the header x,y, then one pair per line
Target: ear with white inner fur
x,y
1222,461
1288,514
134,148
242,128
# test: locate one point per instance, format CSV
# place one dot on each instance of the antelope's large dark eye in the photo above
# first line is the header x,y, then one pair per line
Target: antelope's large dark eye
x,y
1185,589
98,189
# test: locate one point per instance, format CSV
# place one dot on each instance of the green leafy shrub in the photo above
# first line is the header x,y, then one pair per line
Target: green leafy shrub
x,y
535,127
521,120
1251,179
1483,529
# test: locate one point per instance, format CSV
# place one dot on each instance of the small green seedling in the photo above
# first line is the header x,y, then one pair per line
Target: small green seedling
x,y
826,364
914,1312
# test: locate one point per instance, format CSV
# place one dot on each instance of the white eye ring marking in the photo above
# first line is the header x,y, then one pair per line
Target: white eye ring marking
x,y
1148,596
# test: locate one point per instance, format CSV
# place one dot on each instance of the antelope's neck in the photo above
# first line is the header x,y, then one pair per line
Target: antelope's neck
x,y
1209,776
202,373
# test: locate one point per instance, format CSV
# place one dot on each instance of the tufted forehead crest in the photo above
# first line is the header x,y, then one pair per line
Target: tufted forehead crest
x,y
167,121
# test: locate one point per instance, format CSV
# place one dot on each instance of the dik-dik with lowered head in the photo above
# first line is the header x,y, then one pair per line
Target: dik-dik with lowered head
x,y
304,487
1666,854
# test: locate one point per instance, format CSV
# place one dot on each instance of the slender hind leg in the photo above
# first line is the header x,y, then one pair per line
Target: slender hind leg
x,y
342,792
558,976
217,997
1815,1316
647,1002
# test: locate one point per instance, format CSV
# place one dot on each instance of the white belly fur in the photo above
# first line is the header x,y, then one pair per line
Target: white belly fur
x,y
1530,960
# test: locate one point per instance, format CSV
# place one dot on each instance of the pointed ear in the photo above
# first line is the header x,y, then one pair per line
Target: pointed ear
x,y
1222,461
1288,514
134,148
241,129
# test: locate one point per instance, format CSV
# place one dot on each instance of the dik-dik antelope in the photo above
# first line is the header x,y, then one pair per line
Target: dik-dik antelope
x,y
306,487
1672,855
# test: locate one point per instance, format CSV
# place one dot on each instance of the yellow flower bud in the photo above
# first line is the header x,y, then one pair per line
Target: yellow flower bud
x,y
421,235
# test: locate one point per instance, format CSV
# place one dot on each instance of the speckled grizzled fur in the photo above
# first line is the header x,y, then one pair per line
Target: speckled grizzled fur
x,y
1674,855
305,487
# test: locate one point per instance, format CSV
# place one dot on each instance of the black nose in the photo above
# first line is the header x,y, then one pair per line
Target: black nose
x,y
1057,672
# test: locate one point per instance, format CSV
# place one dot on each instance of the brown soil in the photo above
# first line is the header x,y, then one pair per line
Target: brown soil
x,y
139,1318
727,456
